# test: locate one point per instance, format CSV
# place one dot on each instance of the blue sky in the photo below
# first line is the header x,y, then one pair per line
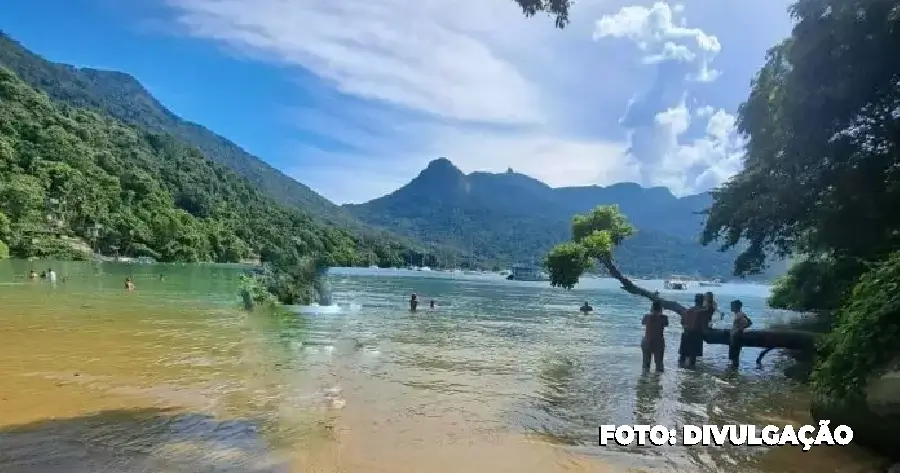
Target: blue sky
x,y
354,97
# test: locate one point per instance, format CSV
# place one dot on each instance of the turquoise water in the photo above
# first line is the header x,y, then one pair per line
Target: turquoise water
x,y
504,375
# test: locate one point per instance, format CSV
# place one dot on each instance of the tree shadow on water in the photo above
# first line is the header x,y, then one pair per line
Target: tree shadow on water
x,y
136,441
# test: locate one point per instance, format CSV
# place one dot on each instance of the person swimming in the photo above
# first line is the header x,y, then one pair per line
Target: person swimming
x,y
586,308
129,284
413,302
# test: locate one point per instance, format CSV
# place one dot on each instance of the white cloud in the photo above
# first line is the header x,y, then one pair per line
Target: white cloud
x,y
659,119
656,34
475,81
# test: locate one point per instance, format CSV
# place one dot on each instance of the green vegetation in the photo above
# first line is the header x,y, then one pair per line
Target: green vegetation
x,y
559,9
498,219
866,335
820,184
72,181
594,236
120,96
821,179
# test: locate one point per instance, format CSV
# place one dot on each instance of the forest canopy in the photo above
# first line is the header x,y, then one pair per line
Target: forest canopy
x,y
73,181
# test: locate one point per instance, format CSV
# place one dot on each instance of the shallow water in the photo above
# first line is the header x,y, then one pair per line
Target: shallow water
x,y
503,376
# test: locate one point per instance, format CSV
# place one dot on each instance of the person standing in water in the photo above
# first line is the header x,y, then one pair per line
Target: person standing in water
x,y
413,302
713,307
51,275
32,275
653,345
741,322
710,307
129,284
431,305
586,308
693,323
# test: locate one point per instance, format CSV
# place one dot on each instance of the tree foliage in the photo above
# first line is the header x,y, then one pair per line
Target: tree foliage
x,y
866,335
821,179
594,236
820,174
559,9
73,181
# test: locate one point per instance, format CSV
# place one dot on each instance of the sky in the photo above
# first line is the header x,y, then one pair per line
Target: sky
x,y
354,97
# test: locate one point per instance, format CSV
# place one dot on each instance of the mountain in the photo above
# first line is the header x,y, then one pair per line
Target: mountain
x,y
511,217
72,181
121,96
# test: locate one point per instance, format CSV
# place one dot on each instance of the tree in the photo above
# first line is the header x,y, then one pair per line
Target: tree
x,y
559,9
594,237
821,181
820,174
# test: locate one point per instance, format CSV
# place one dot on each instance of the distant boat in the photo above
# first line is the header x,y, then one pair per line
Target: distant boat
x,y
524,272
712,283
675,284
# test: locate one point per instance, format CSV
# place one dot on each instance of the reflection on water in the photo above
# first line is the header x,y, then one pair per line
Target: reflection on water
x,y
502,377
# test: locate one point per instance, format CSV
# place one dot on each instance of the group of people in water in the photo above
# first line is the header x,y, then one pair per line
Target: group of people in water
x,y
50,275
414,303
694,323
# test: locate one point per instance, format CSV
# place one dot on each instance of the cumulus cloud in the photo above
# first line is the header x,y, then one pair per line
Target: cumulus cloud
x,y
658,119
473,80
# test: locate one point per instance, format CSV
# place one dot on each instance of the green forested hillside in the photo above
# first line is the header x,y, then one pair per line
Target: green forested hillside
x,y
71,180
121,96
511,217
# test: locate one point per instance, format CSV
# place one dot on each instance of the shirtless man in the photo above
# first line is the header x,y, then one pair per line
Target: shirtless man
x,y
741,322
693,322
653,344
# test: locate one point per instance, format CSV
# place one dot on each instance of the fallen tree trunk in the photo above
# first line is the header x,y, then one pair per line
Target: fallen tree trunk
x,y
766,338
630,287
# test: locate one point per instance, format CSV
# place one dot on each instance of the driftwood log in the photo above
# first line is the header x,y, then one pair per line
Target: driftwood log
x,y
769,339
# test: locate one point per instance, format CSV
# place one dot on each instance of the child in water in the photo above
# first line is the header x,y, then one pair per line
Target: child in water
x,y
413,302
431,304
129,284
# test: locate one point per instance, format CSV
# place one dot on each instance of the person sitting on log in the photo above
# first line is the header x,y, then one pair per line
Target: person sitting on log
x,y
741,322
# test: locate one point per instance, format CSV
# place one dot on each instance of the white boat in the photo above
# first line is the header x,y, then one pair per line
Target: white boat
x,y
675,284
524,272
